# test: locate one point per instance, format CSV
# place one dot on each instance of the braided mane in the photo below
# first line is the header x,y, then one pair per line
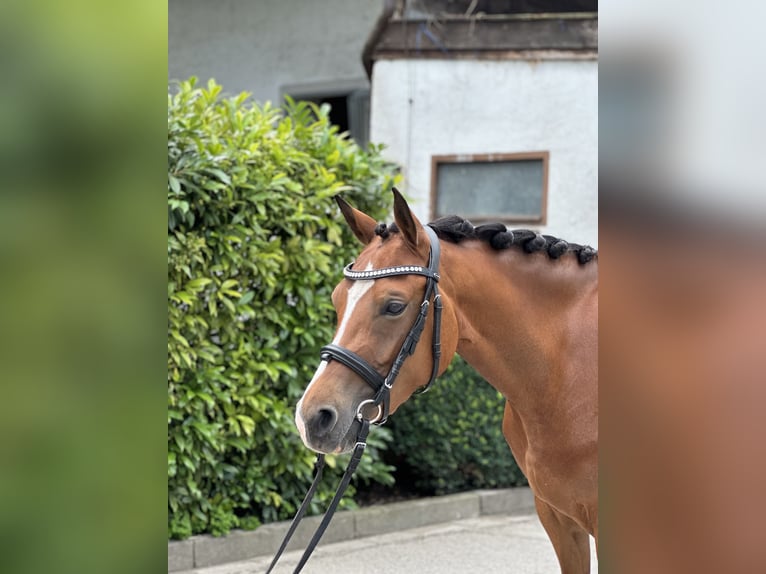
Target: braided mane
x,y
456,229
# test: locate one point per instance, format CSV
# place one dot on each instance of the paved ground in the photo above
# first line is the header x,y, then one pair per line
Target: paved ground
x,y
516,544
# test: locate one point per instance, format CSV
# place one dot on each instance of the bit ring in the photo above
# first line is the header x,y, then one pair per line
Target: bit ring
x,y
360,416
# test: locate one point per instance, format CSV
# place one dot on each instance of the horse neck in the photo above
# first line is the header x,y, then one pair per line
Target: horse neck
x,y
519,316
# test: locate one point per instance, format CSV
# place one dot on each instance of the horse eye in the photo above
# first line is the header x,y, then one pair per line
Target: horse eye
x,y
394,308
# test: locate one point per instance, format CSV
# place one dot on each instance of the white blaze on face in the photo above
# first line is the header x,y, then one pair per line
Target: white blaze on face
x,y
355,294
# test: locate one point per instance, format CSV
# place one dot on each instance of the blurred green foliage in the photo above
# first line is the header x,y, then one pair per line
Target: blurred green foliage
x,y
451,438
83,259
255,246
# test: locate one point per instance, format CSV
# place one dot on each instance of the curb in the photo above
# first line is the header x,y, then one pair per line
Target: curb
x,y
205,550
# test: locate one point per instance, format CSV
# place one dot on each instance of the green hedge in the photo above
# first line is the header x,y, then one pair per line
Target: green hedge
x,y
451,438
255,246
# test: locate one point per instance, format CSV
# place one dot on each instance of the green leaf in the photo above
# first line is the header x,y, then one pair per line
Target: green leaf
x,y
183,297
207,398
180,338
199,283
220,175
175,186
246,298
247,424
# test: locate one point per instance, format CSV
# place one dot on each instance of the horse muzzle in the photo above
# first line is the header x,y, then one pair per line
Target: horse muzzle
x,y
325,429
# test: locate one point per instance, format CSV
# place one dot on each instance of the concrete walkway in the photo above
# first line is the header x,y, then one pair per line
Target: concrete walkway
x,y
493,543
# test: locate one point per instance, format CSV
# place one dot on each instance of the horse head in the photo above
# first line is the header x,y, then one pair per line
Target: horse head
x,y
385,294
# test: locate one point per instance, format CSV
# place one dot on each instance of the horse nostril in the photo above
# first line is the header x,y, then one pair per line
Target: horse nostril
x,y
325,420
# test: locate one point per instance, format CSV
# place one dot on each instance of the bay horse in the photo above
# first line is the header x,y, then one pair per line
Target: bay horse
x,y
520,307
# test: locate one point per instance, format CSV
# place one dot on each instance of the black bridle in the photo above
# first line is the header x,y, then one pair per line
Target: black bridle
x,y
380,384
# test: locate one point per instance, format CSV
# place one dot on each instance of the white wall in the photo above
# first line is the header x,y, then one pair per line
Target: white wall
x,y
260,46
422,108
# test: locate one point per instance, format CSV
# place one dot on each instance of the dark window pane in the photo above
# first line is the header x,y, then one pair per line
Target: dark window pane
x,y
504,189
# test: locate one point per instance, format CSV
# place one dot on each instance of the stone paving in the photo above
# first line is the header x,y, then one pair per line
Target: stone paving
x,y
487,543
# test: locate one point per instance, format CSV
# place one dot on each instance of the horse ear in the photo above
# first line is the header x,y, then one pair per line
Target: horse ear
x,y
407,223
360,223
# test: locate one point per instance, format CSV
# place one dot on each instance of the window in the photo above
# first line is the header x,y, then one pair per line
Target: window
x,y
349,106
496,187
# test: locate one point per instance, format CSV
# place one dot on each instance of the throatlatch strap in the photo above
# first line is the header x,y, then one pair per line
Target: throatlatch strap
x,y
318,467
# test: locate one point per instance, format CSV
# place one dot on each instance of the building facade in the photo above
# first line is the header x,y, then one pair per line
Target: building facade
x,y
493,116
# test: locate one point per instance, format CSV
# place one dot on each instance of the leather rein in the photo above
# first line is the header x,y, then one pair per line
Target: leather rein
x,y
380,384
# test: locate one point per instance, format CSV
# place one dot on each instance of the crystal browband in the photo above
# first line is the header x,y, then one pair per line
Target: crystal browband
x,y
388,272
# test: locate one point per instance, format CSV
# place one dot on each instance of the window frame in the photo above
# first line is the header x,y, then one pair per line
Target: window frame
x,y
437,160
